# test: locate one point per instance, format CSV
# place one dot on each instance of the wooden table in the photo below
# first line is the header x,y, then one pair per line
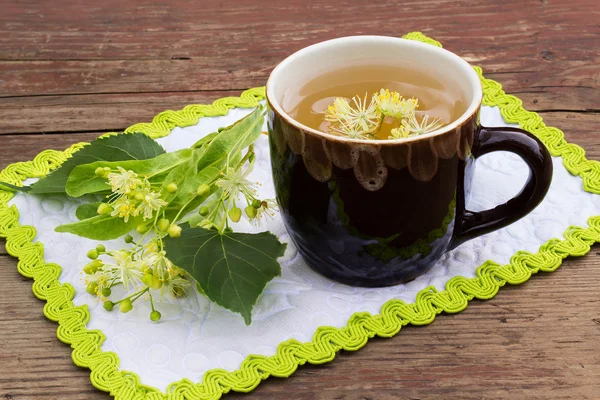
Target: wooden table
x,y
70,71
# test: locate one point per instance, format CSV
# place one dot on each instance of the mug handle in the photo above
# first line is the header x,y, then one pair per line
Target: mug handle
x,y
470,224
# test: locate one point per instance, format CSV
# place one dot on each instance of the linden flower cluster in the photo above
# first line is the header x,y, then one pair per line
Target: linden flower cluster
x,y
144,269
360,119
234,189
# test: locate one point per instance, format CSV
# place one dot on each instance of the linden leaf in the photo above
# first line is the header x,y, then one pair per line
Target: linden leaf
x,y
130,146
86,211
232,269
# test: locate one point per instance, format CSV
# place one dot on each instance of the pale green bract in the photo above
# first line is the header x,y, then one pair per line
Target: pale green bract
x,y
83,180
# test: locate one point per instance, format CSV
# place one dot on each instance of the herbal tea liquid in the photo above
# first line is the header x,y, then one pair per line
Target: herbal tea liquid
x,y
437,97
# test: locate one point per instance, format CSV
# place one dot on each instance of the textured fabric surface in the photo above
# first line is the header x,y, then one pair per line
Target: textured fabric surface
x,y
195,336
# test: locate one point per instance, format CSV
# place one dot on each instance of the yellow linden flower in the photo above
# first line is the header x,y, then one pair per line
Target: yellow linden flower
x,y
415,127
391,104
125,269
124,181
356,120
150,202
235,182
151,247
267,208
124,208
174,285
399,133
161,265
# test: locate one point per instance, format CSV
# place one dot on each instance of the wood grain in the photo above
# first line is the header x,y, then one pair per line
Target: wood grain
x,y
72,70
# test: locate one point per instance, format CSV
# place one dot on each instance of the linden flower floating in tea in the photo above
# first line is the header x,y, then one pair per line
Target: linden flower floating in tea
x,y
357,120
362,119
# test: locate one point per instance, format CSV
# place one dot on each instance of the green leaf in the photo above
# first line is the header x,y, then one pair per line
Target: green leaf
x,y
100,227
204,141
86,211
131,146
232,269
233,139
83,178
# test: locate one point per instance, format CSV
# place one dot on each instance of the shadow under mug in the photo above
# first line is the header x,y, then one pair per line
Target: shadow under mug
x,y
382,212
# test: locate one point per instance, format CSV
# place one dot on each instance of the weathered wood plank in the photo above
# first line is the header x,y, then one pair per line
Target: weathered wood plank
x,y
93,112
119,30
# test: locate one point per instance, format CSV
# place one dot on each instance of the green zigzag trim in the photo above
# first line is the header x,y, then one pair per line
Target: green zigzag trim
x,y
327,341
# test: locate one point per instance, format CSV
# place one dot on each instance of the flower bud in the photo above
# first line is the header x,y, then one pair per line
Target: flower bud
x,y
92,254
138,196
125,306
104,209
235,214
174,231
256,203
203,190
250,212
141,228
108,305
128,239
147,279
172,187
91,288
155,316
203,211
163,224
101,248
106,292
92,267
99,172
156,283
88,269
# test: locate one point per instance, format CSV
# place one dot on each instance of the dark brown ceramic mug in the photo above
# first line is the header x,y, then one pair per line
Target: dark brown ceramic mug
x,y
382,212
